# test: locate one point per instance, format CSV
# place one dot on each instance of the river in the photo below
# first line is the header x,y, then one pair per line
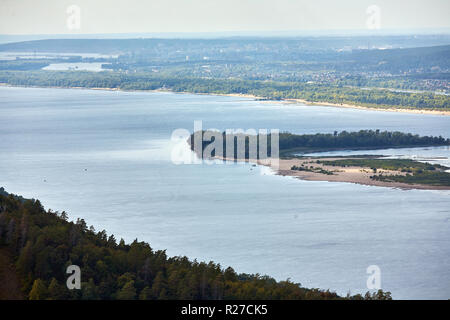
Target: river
x,y
105,156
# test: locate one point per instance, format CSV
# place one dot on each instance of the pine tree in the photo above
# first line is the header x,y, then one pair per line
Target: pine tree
x,y
146,270
64,216
159,287
2,225
23,230
146,294
25,262
89,290
10,231
128,292
56,291
112,241
38,291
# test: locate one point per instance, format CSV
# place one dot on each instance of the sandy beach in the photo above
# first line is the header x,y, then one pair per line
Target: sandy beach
x,y
336,105
358,175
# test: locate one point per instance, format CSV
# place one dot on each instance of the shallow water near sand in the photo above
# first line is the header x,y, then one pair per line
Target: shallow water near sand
x,y
105,156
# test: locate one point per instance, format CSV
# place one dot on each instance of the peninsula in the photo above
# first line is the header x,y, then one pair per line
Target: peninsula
x,y
374,170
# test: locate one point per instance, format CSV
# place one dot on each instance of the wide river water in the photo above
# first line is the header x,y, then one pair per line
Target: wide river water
x,y
105,156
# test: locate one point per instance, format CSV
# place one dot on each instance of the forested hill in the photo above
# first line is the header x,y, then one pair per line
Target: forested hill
x,y
43,243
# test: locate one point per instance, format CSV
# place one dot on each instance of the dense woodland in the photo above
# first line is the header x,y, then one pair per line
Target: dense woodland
x,y
378,98
363,139
429,177
43,243
290,144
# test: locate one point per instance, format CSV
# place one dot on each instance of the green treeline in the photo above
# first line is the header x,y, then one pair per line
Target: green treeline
x,y
363,139
435,178
274,90
303,143
312,169
415,172
404,165
43,243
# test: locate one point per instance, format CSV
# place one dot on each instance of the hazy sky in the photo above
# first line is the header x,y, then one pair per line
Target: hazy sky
x,y
130,16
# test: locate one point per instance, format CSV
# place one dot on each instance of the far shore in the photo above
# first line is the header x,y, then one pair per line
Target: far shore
x,y
261,99
358,175
341,105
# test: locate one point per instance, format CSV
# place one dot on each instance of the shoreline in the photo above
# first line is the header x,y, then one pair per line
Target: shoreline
x,y
351,106
356,175
259,99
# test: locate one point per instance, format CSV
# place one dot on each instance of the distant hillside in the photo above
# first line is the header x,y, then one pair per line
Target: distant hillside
x,y
110,46
396,60
252,45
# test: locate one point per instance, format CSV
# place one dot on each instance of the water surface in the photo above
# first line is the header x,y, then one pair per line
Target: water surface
x,y
105,156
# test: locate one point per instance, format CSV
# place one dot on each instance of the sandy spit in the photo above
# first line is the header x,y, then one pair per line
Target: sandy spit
x,y
358,175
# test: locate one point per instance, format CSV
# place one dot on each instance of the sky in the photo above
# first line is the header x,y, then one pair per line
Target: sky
x,y
159,16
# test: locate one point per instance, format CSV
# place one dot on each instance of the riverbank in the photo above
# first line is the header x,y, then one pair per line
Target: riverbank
x,y
351,106
260,99
320,104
